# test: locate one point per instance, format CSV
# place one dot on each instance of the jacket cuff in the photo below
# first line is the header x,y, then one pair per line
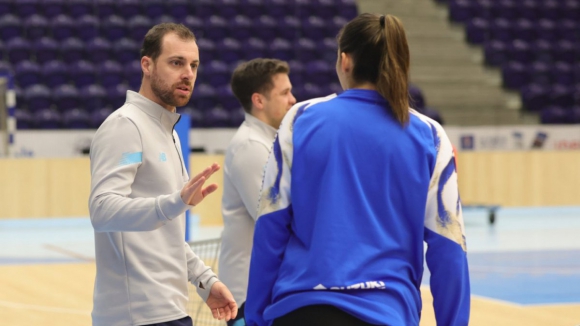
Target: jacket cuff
x,y
170,206
204,283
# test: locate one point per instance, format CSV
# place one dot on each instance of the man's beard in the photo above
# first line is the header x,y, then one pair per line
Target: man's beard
x,y
165,92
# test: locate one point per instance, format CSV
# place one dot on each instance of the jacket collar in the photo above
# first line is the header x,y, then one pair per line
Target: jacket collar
x,y
256,123
156,111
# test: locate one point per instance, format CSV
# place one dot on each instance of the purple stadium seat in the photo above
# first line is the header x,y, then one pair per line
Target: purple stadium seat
x,y
195,116
226,98
330,49
117,95
553,115
307,50
312,90
36,26
154,8
476,30
53,8
48,119
229,50
133,74
6,7
114,27
460,11
106,8
99,50
543,51
204,8
529,10
540,73
129,8
72,50
546,29
535,97
66,97
94,97
524,30
78,8
289,28
296,72
266,28
254,48
76,119
83,73
228,8
63,27
574,115
520,51
55,73
482,9
319,72
24,120
241,27
335,24
26,8
138,27
253,8
27,73
501,29
325,9
178,9
216,28
506,9
98,116
45,50
126,50
5,67
281,49
207,48
551,9
18,49
110,73
37,97
195,24
515,75
279,8
216,117
10,27
217,73
562,95
314,28
163,19
237,117
334,88
568,30
565,51
88,27
571,10
563,73
347,9
204,97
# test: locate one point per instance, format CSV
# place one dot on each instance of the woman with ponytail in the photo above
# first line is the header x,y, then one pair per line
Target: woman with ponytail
x,y
354,186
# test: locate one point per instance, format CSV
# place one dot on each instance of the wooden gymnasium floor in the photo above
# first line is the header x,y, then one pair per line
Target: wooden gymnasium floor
x,y
525,269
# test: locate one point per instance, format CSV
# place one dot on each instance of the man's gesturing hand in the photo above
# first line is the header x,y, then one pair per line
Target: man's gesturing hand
x,y
194,192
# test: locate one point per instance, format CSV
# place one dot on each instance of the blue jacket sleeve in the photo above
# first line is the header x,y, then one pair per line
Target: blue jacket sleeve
x,y
445,237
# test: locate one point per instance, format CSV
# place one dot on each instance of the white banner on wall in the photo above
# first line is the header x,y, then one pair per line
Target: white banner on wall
x,y
71,143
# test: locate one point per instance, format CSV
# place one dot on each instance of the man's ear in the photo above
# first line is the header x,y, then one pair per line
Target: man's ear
x,y
258,101
146,65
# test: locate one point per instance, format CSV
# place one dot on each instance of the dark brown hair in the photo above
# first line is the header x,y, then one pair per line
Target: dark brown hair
x,y
154,37
380,53
255,76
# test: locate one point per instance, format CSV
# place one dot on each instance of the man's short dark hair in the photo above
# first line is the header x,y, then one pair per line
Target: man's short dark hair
x,y
255,76
154,37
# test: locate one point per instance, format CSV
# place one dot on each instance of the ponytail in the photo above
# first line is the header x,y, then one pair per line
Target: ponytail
x,y
393,78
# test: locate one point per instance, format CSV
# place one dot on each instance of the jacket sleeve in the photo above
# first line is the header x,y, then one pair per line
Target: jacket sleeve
x,y
116,154
199,274
272,230
445,236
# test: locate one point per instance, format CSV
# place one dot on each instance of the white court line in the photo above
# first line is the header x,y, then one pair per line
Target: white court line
x,y
513,304
17,305
67,252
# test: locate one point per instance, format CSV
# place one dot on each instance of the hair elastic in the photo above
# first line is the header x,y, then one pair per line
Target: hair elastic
x,y
382,21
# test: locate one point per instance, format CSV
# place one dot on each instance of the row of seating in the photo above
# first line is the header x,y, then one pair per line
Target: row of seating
x,y
177,8
516,75
213,27
480,30
463,10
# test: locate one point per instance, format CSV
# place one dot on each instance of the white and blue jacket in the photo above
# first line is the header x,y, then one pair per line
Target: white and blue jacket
x,y
348,198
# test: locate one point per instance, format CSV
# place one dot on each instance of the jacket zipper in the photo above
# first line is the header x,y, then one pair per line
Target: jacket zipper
x,y
175,144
